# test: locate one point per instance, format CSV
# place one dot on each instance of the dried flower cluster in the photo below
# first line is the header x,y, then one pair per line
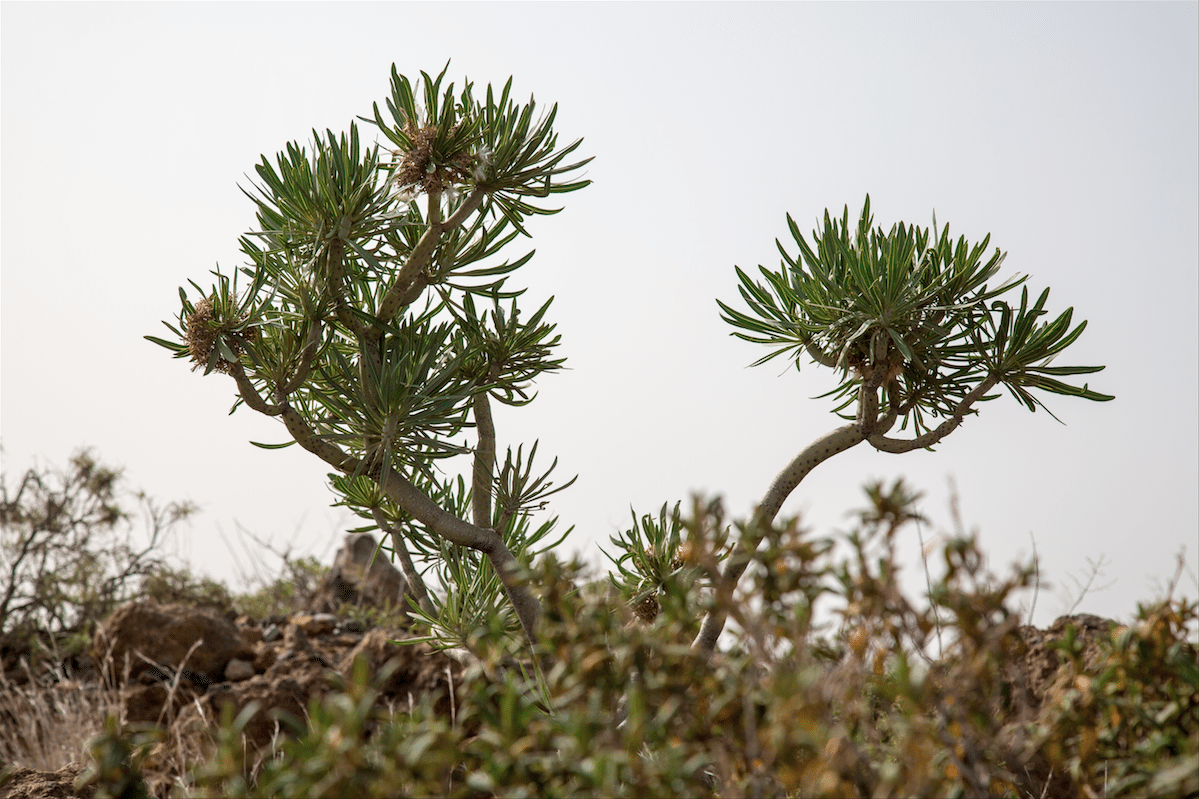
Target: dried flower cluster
x,y
647,609
202,334
420,169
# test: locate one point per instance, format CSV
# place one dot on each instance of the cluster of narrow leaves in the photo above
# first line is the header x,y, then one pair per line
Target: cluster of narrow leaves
x,y
460,600
908,310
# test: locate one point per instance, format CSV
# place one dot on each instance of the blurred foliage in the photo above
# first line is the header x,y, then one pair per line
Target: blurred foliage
x,y
849,707
829,684
287,593
179,586
74,544
116,758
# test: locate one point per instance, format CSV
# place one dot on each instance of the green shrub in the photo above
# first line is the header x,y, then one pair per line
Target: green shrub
x,y
117,754
376,324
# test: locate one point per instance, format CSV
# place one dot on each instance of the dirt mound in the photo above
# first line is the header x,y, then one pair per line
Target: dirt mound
x,y
304,658
1038,667
282,666
179,666
25,783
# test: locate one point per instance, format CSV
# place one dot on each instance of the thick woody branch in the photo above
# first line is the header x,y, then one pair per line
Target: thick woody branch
x,y
484,466
818,355
419,506
399,295
336,267
839,440
413,292
812,456
413,501
249,394
867,414
887,422
815,454
868,408
307,438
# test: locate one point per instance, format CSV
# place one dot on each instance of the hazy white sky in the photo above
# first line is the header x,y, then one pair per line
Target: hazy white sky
x,y
1069,132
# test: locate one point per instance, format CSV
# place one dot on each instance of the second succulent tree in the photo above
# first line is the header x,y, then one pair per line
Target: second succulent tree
x,y
919,333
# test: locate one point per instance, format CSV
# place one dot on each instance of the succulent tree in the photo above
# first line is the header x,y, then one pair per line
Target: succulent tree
x,y
919,335
377,325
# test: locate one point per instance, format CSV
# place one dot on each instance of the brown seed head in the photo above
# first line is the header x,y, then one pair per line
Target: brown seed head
x,y
202,336
647,609
418,169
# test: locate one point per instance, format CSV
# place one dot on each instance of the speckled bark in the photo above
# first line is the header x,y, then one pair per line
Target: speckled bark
x,y
815,454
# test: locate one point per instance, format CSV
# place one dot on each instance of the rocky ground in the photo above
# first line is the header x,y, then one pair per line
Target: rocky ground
x,y
180,667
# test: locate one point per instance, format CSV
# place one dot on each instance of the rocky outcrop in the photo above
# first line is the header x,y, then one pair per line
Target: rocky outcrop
x,y
181,667
1037,676
180,663
1038,666
362,574
286,662
297,668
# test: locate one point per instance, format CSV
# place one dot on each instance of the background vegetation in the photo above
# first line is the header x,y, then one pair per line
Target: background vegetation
x,y
886,696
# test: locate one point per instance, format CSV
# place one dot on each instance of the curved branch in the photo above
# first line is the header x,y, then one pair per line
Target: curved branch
x,y
419,506
888,421
399,295
413,292
818,355
249,394
307,438
898,445
812,456
414,502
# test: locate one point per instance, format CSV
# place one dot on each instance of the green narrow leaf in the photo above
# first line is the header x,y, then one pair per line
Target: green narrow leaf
x,y
273,446
170,345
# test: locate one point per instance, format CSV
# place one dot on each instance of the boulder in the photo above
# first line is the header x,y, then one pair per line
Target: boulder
x,y
239,670
147,636
1038,673
361,574
280,698
155,701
